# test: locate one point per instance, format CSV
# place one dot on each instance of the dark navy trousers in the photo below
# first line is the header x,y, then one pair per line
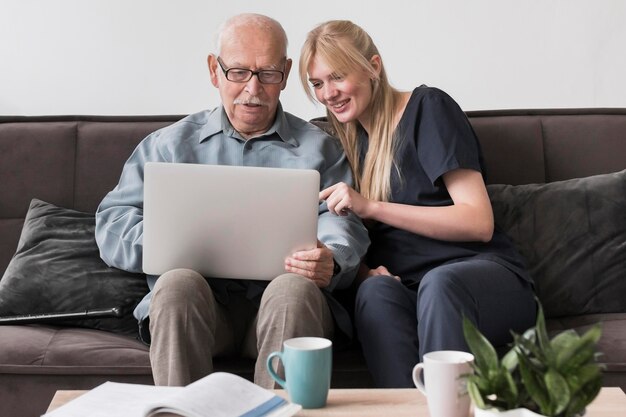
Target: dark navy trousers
x,y
397,325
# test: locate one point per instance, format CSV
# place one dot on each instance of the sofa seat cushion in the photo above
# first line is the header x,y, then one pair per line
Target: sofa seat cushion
x,y
612,344
39,349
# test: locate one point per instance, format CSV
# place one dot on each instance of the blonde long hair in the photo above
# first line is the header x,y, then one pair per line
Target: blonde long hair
x,y
345,47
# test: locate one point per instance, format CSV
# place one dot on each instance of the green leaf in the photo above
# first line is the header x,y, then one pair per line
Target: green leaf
x,y
586,395
485,385
582,376
564,340
530,334
511,393
475,394
593,334
486,358
534,386
542,335
525,344
558,391
580,352
509,360
582,358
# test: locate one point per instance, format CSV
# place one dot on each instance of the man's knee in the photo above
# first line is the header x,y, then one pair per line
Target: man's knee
x,y
182,296
293,293
179,285
291,286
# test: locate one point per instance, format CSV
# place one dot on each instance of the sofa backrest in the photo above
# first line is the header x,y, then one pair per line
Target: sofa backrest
x,y
540,146
69,161
73,161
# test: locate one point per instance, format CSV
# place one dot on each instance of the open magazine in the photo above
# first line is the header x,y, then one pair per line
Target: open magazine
x,y
216,395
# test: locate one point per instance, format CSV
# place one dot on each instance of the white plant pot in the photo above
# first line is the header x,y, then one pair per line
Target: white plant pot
x,y
517,412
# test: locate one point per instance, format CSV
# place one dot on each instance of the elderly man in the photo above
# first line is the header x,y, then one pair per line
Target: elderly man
x,y
187,318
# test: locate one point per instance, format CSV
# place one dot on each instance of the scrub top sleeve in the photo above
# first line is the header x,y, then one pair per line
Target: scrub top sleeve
x,y
445,138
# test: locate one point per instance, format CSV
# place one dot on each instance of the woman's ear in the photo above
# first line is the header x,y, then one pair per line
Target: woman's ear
x,y
377,63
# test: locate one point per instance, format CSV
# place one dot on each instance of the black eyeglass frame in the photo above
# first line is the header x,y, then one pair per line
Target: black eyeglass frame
x,y
250,73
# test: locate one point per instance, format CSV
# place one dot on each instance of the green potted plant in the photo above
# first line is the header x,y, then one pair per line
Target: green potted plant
x,y
555,377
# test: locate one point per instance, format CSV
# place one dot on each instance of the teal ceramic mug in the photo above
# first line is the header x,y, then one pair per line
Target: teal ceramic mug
x,y
307,362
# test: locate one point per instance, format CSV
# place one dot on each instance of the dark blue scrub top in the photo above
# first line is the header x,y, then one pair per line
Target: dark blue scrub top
x,y
434,136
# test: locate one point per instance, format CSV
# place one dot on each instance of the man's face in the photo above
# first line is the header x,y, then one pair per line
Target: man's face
x,y
251,105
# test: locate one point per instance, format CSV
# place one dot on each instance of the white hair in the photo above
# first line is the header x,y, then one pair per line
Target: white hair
x,y
260,21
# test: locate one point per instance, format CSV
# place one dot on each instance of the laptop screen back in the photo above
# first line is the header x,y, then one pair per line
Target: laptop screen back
x,y
227,221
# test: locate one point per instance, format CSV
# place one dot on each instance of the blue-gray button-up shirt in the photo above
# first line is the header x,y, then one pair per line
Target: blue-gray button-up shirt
x,y
208,137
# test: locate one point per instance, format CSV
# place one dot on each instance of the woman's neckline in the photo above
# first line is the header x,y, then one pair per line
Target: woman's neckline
x,y
406,97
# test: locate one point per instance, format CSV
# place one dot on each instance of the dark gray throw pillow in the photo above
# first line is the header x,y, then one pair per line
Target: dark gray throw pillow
x,y
573,236
57,268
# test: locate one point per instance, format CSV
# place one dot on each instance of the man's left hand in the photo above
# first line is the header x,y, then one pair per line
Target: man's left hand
x,y
316,264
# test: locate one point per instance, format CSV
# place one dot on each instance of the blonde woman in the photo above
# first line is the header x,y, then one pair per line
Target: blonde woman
x,y
435,255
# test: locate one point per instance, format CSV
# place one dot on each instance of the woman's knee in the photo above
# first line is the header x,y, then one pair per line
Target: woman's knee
x,y
441,283
377,288
381,298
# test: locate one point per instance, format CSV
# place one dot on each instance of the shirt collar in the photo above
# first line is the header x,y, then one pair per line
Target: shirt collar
x,y
217,122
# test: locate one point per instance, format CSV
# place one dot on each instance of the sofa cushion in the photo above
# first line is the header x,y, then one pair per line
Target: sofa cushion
x,y
55,349
573,236
57,268
612,343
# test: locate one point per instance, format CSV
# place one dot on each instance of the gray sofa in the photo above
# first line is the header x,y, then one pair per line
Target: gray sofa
x,y
532,157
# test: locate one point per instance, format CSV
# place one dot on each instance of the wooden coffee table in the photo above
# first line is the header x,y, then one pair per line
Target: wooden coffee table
x,y
611,402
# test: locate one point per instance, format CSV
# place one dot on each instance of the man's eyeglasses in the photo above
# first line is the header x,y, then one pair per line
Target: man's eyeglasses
x,y
243,75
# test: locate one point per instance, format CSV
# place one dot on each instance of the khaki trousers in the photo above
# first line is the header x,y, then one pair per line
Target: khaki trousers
x,y
189,328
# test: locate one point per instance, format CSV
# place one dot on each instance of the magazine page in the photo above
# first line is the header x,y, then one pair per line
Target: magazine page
x,y
222,395
216,395
113,399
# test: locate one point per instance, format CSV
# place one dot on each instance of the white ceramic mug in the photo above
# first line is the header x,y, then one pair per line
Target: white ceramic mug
x,y
444,382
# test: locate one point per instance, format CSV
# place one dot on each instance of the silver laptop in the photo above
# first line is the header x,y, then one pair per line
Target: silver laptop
x,y
227,221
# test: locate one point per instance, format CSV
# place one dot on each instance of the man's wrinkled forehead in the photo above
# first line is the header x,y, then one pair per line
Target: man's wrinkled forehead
x,y
257,52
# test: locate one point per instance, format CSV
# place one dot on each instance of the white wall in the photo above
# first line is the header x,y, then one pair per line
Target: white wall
x,y
148,56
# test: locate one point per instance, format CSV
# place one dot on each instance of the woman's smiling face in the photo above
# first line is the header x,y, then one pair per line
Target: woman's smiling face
x,y
347,96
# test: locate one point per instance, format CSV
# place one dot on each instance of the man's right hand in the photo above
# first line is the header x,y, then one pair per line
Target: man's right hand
x,y
316,264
